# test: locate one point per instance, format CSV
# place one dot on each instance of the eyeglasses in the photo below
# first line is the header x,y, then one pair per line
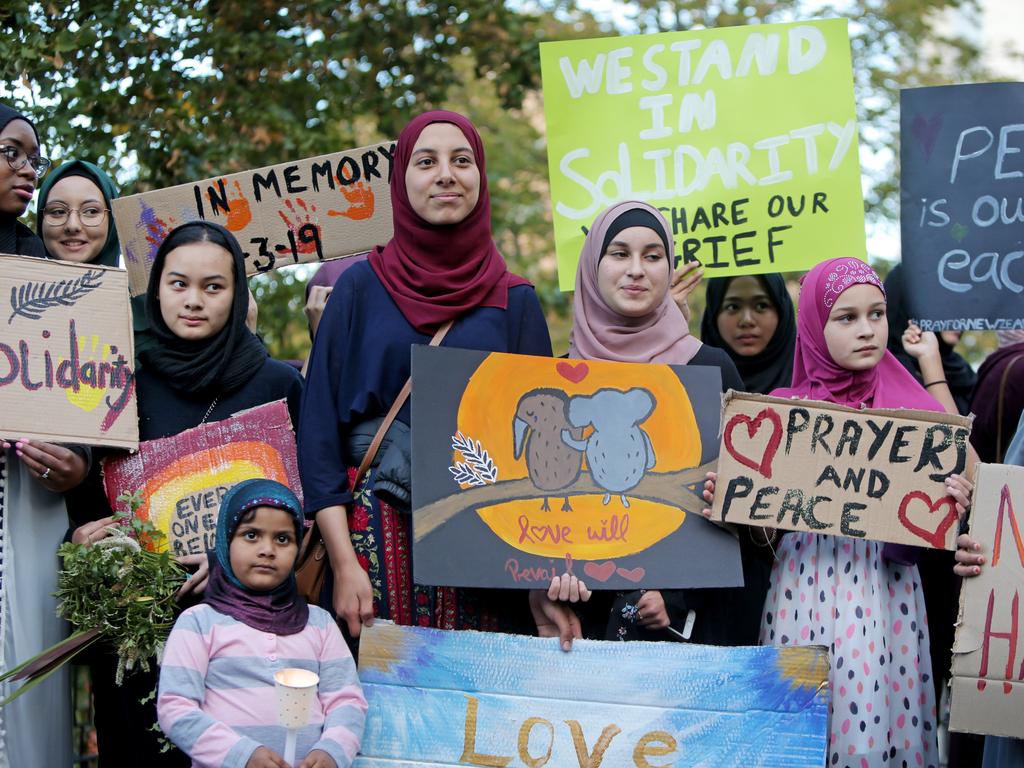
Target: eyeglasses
x,y
16,158
90,215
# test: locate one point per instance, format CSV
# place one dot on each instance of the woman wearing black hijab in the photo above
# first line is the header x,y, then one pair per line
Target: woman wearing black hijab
x,y
751,317
35,729
958,372
203,366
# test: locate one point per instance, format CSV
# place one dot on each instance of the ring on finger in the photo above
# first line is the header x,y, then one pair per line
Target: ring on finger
x,y
45,474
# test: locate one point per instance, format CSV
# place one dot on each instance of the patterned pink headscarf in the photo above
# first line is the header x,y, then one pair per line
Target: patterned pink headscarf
x,y
817,376
601,333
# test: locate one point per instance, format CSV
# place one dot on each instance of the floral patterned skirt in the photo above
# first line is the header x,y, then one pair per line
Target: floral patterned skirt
x,y
382,539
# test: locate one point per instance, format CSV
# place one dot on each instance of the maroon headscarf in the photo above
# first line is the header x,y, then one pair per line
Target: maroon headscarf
x,y
817,376
435,273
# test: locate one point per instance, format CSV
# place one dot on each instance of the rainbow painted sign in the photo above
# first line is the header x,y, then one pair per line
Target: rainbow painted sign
x,y
183,478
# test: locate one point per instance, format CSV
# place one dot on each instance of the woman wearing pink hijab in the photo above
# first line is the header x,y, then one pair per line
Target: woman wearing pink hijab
x,y
623,311
849,593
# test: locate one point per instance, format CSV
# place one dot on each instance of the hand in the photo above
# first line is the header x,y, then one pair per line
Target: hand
x,y
968,556
55,467
353,597
318,759
554,619
315,304
709,492
90,533
683,282
920,344
960,488
266,758
195,584
568,588
651,611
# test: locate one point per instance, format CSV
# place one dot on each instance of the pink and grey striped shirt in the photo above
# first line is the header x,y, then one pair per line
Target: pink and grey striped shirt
x,y
217,701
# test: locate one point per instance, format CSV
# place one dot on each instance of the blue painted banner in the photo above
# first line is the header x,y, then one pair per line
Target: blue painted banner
x,y
441,698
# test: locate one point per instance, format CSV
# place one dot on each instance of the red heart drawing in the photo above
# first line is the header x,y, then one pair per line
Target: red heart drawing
x,y
926,130
764,466
634,575
601,572
574,373
936,537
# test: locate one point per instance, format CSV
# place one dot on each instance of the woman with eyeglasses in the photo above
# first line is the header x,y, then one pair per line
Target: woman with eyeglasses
x,y
36,728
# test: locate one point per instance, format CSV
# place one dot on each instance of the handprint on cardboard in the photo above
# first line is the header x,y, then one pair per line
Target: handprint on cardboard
x,y
361,199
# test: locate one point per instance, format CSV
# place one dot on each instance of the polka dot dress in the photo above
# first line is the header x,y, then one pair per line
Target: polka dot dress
x,y
840,592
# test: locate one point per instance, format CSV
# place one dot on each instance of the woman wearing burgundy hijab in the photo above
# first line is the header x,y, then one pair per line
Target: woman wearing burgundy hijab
x,y
442,264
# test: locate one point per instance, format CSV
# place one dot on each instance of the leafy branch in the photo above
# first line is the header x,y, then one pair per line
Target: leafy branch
x,y
31,299
478,468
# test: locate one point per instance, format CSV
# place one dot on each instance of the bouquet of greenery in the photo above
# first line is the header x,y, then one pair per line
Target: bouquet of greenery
x,y
116,589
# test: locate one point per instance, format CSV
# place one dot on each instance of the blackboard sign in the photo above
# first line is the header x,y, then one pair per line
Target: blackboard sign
x,y
962,205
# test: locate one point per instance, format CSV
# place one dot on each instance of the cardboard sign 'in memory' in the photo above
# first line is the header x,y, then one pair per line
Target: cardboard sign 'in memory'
x,y
803,465
961,215
745,137
309,210
66,353
485,699
183,478
988,654
525,467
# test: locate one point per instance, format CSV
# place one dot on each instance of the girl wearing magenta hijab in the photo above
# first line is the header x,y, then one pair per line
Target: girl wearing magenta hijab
x,y
850,594
623,311
440,265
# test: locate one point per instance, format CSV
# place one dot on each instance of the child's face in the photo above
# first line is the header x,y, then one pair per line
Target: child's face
x,y
856,331
263,550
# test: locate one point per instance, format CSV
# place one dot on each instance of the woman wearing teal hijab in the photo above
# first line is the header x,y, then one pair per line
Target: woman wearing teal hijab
x,y
74,219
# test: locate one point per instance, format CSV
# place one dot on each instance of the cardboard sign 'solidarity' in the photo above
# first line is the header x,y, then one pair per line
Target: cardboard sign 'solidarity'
x,y
316,209
526,467
988,654
183,478
745,137
961,198
803,465
66,353
486,699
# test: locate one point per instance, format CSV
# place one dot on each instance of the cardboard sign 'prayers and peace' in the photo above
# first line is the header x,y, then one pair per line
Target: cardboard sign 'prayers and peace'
x,y
320,208
962,205
988,654
803,465
744,137
441,698
525,467
183,478
66,353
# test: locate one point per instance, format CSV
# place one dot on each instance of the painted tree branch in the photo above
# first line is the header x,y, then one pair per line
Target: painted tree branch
x,y
665,487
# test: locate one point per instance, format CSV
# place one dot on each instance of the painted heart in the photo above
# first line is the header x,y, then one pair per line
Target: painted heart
x,y
633,575
753,425
573,372
926,130
958,232
600,571
936,536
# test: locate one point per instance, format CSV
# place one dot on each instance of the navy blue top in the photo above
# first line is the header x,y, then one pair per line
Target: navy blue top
x,y
361,360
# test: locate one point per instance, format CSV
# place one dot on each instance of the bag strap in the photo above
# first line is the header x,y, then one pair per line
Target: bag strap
x,y
385,425
999,407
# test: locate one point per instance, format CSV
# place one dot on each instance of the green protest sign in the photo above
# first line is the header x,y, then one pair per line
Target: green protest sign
x,y
744,137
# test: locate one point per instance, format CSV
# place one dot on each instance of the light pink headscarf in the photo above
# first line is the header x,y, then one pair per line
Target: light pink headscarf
x,y
601,333
817,376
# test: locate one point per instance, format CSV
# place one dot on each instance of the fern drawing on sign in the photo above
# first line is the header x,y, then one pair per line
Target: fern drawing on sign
x,y
477,468
30,300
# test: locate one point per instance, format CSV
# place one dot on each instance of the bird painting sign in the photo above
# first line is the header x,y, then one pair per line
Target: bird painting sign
x,y
525,468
